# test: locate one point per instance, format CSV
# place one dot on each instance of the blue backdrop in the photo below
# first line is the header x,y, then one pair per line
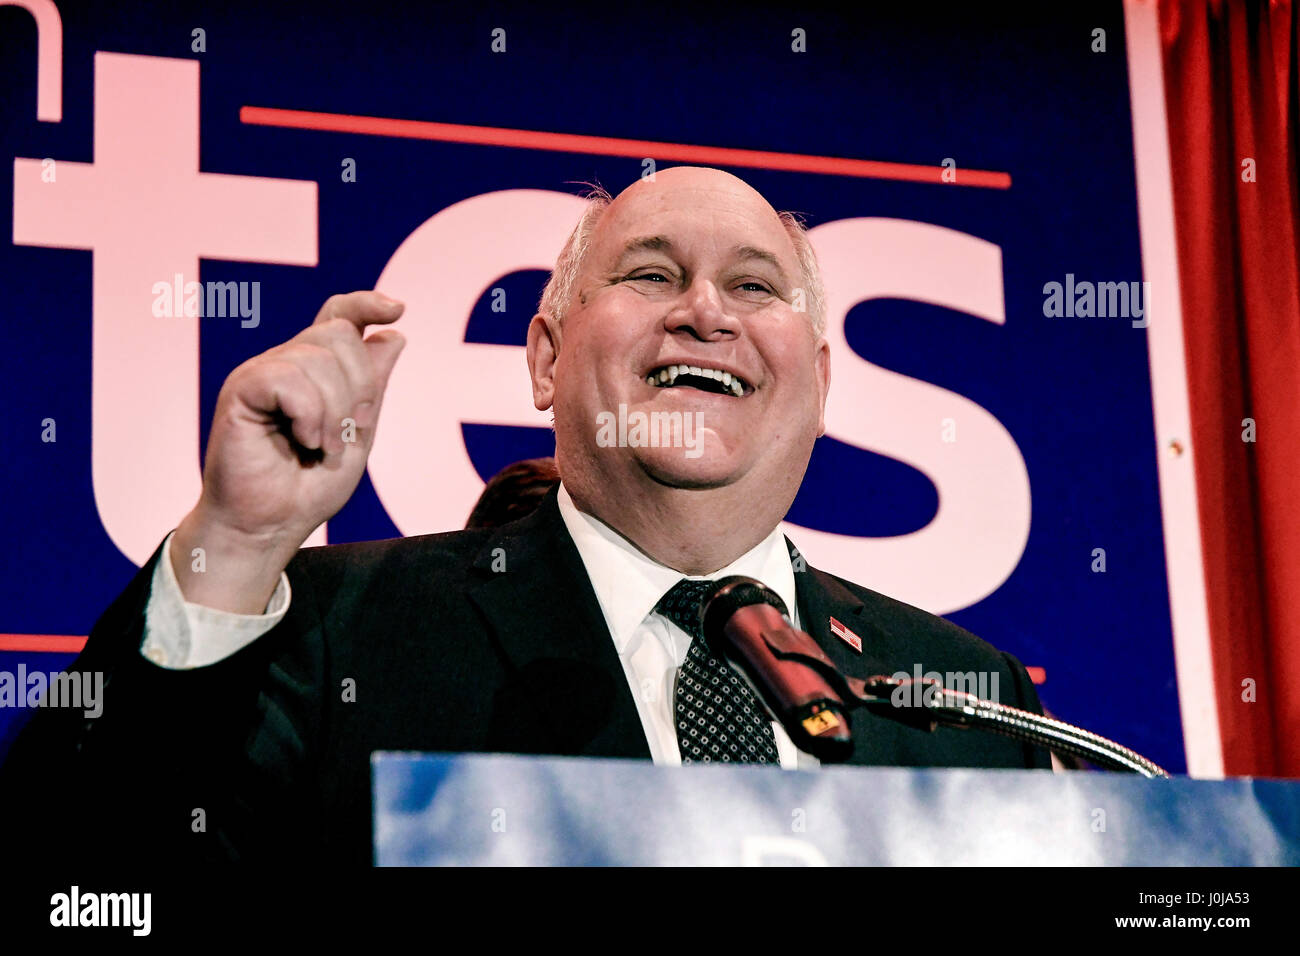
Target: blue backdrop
x,y
1024,94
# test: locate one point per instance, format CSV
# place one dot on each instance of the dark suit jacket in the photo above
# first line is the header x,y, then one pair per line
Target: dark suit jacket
x,y
407,644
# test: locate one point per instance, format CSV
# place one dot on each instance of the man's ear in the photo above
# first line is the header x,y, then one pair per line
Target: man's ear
x,y
543,350
822,369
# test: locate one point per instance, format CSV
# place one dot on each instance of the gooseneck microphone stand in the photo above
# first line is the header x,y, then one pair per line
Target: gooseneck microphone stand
x,y
810,696
953,708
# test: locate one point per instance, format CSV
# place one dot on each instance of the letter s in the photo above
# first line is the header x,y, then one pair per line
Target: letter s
x,y
978,535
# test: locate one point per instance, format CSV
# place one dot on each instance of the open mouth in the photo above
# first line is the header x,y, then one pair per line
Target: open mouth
x,y
695,376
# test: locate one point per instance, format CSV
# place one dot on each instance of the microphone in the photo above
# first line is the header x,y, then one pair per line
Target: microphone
x,y
751,622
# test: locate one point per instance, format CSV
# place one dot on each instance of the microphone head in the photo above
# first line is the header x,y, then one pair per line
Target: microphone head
x,y
729,595
792,684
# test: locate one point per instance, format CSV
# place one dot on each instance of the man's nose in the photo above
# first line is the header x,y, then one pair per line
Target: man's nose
x,y
702,311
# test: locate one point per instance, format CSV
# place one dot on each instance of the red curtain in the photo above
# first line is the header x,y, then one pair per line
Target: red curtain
x,y
1231,90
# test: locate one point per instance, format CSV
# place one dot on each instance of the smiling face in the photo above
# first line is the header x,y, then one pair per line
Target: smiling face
x,y
684,304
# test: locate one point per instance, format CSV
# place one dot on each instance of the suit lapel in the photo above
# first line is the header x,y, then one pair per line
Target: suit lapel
x,y
534,592
821,597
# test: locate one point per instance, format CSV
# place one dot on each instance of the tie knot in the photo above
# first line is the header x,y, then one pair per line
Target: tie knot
x,y
681,604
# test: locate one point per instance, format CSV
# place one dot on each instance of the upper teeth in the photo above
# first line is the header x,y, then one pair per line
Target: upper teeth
x,y
668,374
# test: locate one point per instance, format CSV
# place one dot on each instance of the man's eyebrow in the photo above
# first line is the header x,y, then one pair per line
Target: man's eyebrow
x,y
643,244
664,244
752,252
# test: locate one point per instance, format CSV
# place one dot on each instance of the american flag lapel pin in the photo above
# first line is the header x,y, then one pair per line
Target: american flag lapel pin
x,y
845,635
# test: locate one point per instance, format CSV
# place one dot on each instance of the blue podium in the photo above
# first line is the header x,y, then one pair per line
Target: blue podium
x,y
436,809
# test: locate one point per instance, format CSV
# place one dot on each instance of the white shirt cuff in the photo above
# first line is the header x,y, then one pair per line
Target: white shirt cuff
x,y
180,635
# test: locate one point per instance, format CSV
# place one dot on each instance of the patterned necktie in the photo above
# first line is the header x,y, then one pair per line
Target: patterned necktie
x,y
718,717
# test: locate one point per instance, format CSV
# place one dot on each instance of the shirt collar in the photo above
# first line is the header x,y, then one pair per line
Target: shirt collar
x,y
628,584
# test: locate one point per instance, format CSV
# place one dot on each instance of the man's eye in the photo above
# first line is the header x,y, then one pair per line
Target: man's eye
x,y
755,287
649,275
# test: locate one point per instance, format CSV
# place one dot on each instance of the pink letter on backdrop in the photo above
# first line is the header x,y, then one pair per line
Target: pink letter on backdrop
x,y
49,57
976,539
147,214
419,465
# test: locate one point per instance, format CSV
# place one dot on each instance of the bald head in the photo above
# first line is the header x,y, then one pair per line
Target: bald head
x,y
695,186
777,237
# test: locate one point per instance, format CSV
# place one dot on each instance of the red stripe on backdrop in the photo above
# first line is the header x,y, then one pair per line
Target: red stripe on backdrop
x,y
50,643
611,146
1231,90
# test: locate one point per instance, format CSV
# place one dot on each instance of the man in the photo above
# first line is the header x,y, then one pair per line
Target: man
x,y
243,700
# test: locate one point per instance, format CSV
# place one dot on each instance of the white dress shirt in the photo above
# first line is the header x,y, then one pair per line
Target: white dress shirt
x,y
180,635
628,585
